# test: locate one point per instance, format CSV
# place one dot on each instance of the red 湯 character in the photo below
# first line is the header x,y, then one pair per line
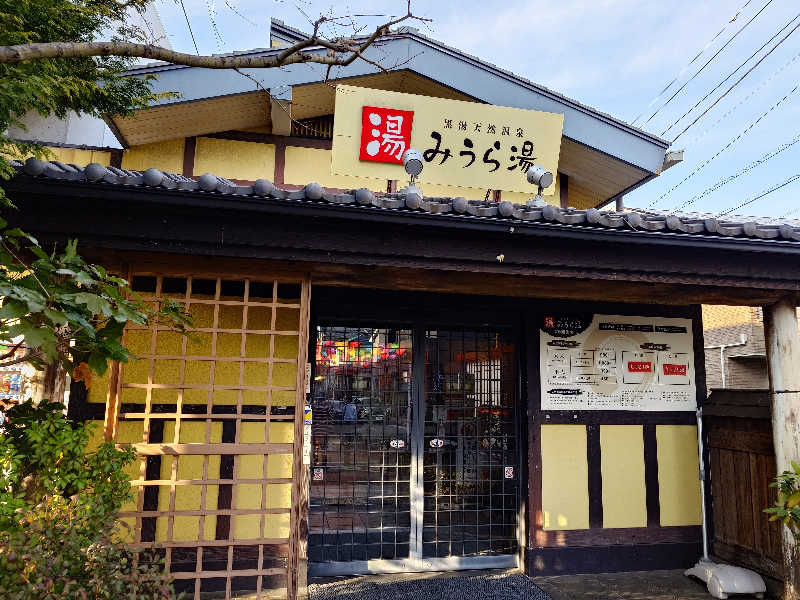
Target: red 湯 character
x,y
385,134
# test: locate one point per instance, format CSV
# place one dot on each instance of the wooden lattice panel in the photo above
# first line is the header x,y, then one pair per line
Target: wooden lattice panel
x,y
212,417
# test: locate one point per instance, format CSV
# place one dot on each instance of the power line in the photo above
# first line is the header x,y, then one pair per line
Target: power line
x,y
767,192
731,74
737,82
742,101
230,6
726,180
691,62
212,9
189,25
724,148
708,62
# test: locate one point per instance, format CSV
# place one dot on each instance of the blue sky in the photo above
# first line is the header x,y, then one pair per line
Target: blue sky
x,y
614,55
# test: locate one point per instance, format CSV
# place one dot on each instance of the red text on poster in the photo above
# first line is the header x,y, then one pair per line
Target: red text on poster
x,y
640,367
671,369
385,134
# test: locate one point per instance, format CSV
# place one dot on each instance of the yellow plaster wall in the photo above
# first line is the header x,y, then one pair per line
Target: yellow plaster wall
x,y
81,157
73,156
307,165
167,156
234,159
622,466
678,482
565,488
188,497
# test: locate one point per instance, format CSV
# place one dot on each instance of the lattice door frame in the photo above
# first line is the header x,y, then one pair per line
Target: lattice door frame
x,y
289,548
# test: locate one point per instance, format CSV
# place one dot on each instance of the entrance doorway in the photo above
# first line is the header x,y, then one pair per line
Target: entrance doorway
x,y
415,450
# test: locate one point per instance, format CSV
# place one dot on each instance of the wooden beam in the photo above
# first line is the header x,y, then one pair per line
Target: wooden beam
x,y
298,527
189,150
521,286
280,163
783,359
269,138
112,403
161,449
563,188
116,158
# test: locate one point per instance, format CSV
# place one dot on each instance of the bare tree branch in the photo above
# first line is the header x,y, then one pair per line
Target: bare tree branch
x,y
341,51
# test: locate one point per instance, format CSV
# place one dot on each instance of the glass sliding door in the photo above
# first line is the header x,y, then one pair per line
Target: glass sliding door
x,y
359,506
414,450
470,457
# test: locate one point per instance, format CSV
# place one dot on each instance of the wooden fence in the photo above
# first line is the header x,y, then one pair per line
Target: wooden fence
x,y
739,437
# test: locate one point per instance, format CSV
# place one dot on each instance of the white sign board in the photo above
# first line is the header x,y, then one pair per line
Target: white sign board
x,y
612,362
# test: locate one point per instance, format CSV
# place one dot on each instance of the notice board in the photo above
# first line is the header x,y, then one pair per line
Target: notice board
x,y
614,362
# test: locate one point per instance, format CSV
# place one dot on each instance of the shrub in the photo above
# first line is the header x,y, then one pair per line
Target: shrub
x,y
59,537
787,506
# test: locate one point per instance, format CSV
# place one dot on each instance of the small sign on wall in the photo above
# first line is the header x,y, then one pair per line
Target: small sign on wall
x,y
307,420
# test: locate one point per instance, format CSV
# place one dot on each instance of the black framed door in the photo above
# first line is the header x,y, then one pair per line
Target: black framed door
x,y
415,449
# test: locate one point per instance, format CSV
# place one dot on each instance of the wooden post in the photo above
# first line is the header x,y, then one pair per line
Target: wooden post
x,y
783,364
297,585
563,188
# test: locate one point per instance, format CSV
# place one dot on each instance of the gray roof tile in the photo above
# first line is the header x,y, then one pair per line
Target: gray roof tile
x,y
411,201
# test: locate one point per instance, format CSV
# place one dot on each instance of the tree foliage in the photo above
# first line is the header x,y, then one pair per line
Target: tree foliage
x,y
56,306
58,505
61,308
92,85
787,506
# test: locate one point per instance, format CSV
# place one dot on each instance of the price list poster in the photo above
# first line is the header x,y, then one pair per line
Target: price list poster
x,y
613,362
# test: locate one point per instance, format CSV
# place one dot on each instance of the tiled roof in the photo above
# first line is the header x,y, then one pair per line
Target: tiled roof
x,y
411,200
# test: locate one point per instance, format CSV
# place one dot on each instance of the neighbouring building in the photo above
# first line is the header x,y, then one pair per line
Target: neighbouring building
x,y
469,373
734,343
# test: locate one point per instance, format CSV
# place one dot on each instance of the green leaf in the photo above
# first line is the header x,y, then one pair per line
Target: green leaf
x,y
83,278
13,309
57,317
78,319
97,305
38,252
98,363
36,338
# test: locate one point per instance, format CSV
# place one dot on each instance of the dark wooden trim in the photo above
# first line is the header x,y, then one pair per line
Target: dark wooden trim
x,y
614,417
563,188
535,517
280,164
115,159
189,150
651,475
702,394
739,555
593,459
79,408
617,536
269,138
610,559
